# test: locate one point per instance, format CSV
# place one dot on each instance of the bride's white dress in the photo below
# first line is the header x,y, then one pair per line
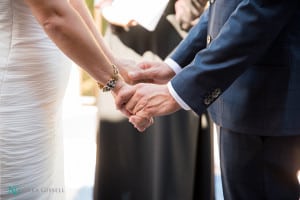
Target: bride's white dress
x,y
33,77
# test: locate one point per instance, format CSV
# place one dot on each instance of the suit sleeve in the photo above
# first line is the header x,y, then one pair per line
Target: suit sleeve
x,y
243,39
195,41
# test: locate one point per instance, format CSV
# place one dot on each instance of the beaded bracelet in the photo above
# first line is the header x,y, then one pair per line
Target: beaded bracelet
x,y
111,83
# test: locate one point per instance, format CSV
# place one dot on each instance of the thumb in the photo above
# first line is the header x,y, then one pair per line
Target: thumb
x,y
145,75
123,96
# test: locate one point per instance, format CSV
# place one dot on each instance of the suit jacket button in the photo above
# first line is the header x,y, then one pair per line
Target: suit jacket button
x,y
206,101
216,92
208,39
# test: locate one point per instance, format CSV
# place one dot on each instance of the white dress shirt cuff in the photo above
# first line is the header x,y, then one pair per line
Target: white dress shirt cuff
x,y
173,65
177,97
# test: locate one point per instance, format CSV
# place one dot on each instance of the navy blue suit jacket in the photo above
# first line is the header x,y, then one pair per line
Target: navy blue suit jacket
x,y
242,62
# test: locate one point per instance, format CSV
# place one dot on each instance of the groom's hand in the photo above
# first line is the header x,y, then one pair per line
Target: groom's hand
x,y
152,99
151,72
122,94
149,100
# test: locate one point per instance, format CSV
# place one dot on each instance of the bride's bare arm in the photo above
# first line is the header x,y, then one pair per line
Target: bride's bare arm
x,y
74,37
83,11
124,65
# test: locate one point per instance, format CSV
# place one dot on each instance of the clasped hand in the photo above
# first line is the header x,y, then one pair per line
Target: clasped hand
x,y
143,101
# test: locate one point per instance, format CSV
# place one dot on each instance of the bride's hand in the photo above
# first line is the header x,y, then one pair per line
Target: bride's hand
x,y
141,123
126,92
126,66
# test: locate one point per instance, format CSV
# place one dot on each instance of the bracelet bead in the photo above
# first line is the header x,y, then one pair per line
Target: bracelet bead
x,y
111,83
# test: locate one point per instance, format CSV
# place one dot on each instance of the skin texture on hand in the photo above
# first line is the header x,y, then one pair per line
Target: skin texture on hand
x,y
123,92
145,101
125,66
152,72
126,91
141,123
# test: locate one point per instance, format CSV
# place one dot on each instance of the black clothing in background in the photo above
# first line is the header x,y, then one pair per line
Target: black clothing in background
x,y
161,41
168,161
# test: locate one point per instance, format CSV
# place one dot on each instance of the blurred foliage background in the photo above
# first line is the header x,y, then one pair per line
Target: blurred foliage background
x,y
88,85
90,4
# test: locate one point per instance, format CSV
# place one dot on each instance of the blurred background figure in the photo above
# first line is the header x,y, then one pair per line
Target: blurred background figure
x,y
187,12
166,162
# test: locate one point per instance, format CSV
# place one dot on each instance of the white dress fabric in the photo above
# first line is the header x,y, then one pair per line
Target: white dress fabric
x,y
33,78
